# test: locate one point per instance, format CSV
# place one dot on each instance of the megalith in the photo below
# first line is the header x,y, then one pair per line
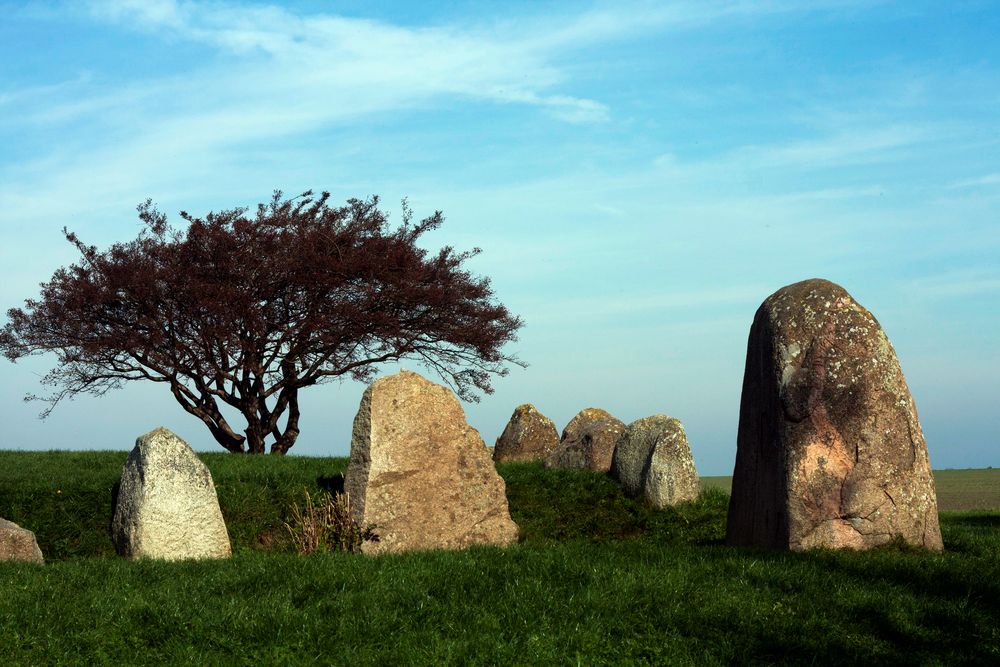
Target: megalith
x,y
652,460
167,507
588,441
420,473
18,544
830,452
528,436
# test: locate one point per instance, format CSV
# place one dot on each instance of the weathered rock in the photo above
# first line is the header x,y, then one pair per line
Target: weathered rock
x,y
588,441
653,460
18,544
529,436
167,506
830,452
420,473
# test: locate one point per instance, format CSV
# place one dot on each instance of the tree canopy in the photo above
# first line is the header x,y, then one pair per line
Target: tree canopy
x,y
247,310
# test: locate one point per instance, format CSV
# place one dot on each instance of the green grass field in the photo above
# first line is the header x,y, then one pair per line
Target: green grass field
x,y
597,579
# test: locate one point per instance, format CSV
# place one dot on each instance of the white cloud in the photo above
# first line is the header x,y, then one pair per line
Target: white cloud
x,y
664,300
281,74
638,17
356,55
952,284
37,94
146,14
986,180
848,146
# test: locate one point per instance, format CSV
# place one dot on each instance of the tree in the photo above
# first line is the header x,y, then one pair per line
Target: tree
x,y
247,311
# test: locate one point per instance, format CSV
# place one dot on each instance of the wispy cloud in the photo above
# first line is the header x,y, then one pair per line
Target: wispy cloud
x,y
855,145
979,181
606,307
854,148
634,17
31,95
957,284
279,74
392,64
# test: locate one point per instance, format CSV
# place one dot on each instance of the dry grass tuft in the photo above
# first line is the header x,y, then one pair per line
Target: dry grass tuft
x,y
324,524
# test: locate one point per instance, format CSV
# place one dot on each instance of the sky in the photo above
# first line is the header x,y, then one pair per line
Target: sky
x,y
639,175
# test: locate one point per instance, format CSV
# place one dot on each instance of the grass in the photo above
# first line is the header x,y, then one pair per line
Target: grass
x,y
597,579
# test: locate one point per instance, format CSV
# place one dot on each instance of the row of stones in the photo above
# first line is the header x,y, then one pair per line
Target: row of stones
x,y
829,451
418,471
650,457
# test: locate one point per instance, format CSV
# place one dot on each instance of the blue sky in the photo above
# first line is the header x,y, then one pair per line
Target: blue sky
x,y
640,176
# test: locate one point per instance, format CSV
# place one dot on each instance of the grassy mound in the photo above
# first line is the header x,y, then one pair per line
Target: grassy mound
x,y
66,497
597,579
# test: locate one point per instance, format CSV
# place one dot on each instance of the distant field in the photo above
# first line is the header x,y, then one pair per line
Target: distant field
x,y
971,489
968,489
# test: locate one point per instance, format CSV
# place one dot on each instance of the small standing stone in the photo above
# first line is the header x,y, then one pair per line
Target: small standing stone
x,y
18,544
167,506
529,436
653,460
830,452
588,441
420,473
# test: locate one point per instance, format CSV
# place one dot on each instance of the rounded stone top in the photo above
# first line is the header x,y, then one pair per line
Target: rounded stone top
x,y
404,375
819,286
593,414
529,435
659,419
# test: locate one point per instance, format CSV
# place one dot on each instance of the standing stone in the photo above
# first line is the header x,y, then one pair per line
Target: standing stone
x,y
653,460
167,507
588,441
829,451
529,436
420,473
18,544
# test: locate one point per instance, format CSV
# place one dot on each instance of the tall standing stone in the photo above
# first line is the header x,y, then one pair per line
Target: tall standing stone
x,y
830,452
588,441
18,544
528,436
420,473
653,460
167,506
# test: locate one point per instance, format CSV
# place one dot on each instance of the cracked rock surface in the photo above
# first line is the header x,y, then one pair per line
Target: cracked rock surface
x,y
830,452
420,473
653,460
588,441
528,436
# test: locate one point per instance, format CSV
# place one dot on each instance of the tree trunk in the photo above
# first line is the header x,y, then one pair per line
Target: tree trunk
x,y
284,441
255,435
208,412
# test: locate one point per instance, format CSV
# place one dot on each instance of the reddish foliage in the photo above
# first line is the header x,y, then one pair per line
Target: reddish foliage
x,y
248,310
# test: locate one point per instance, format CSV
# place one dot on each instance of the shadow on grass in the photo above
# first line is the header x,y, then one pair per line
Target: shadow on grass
x,y
557,505
884,606
974,519
332,484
